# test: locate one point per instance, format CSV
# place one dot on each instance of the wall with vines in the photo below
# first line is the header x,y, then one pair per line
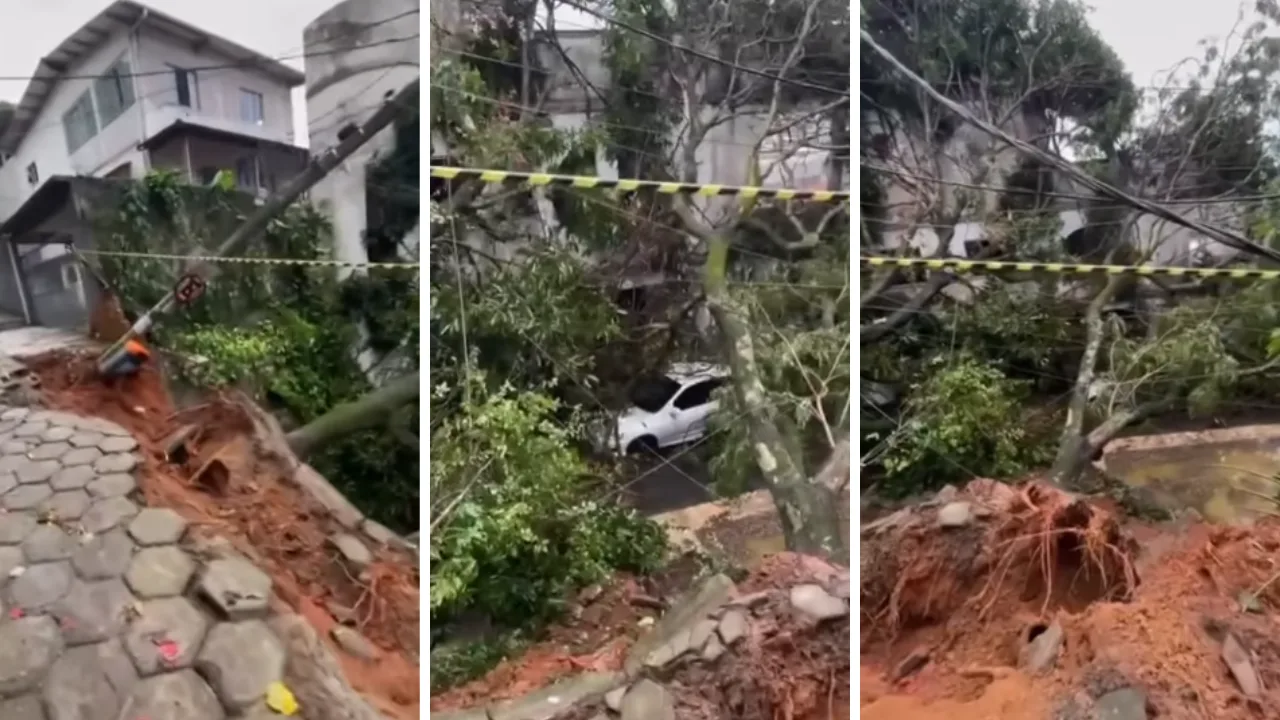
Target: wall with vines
x,y
283,333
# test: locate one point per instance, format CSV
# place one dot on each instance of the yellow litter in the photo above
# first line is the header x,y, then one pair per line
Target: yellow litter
x,y
280,699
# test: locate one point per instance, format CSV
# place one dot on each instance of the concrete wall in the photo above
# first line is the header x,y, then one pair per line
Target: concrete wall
x,y
358,53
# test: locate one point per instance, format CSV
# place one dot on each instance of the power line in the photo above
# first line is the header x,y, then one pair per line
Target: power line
x,y
1227,237
696,53
1217,199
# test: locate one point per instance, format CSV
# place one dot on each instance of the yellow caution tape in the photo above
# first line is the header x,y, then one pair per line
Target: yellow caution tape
x,y
588,182
964,266
254,260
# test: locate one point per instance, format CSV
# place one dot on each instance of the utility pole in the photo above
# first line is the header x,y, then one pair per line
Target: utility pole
x,y
320,166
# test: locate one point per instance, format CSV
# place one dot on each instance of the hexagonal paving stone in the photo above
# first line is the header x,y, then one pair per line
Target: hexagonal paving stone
x,y
80,456
11,463
240,660
93,611
8,482
40,644
10,558
89,683
117,444
73,478
116,463
26,497
15,527
104,556
15,413
15,446
30,430
7,426
69,505
98,425
85,439
40,586
174,619
37,470
157,526
175,696
108,513
27,707
159,572
237,588
58,433
113,485
49,451
47,543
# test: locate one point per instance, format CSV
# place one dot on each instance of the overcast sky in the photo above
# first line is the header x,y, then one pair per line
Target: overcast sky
x,y
271,27
1153,35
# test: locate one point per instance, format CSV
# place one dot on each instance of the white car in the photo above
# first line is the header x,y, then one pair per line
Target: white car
x,y
668,410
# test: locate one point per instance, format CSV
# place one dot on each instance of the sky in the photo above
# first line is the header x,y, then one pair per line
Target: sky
x,y
35,28
1151,36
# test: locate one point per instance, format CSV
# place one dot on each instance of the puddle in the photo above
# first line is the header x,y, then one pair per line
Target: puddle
x,y
1228,483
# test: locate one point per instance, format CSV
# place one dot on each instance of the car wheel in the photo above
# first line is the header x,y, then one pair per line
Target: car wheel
x,y
647,445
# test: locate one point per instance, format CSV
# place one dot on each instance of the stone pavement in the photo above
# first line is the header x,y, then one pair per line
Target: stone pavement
x,y
107,613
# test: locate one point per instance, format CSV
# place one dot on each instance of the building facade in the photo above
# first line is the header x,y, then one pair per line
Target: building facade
x,y
131,90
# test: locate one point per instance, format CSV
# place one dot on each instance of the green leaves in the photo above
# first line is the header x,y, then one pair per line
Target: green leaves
x,y
965,418
519,518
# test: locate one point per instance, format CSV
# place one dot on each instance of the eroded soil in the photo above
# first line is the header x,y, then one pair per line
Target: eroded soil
x,y
252,502
948,613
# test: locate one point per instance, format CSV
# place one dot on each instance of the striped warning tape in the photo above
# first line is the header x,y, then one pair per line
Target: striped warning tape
x,y
253,260
1069,268
499,177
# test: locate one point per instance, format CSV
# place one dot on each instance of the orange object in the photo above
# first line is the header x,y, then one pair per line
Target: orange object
x,y
137,350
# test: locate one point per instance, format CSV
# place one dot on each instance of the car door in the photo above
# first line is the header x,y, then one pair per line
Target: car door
x,y
693,408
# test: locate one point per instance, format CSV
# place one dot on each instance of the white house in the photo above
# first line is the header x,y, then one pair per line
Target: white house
x,y
131,90
359,53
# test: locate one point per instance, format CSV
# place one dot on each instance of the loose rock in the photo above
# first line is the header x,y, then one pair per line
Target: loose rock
x,y
955,514
647,700
817,603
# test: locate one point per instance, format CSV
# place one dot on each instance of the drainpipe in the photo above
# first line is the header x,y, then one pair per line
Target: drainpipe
x,y
137,96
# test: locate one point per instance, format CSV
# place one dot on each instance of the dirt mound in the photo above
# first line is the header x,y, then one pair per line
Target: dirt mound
x,y
789,666
1029,604
250,500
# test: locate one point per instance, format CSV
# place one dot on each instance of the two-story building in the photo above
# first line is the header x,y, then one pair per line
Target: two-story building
x,y
133,89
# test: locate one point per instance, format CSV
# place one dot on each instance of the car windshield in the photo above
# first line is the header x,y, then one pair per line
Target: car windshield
x,y
651,394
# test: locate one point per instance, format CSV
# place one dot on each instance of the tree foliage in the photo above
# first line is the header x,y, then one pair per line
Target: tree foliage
x,y
281,332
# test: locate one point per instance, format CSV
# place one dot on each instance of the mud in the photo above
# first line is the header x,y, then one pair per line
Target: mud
x,y
248,499
787,666
947,612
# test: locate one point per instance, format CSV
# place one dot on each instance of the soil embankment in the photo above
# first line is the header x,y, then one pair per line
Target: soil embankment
x,y
1029,604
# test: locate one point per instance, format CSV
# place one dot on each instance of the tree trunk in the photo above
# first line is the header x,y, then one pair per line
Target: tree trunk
x,y
368,411
1073,453
807,510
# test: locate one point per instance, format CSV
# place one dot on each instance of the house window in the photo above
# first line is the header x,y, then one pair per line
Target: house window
x,y
188,86
114,92
79,123
246,173
251,108
33,175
